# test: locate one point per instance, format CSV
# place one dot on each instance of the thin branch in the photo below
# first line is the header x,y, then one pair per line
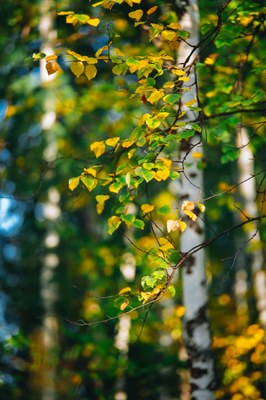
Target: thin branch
x,y
184,257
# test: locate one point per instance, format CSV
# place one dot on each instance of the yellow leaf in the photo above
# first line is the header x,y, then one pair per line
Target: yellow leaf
x,y
143,64
184,78
79,57
125,290
177,71
165,244
65,12
101,199
182,225
152,10
174,25
245,20
155,96
112,141
180,312
197,155
188,205
77,68
162,174
128,180
167,162
124,305
190,102
115,187
147,208
72,19
127,143
98,148
143,118
105,3
191,215
145,296
201,207
153,123
131,153
90,71
118,52
52,67
169,85
101,50
172,225
90,60
162,115
90,171
51,58
130,2
73,183
169,35
158,27
225,187
89,182
136,14
113,223
93,21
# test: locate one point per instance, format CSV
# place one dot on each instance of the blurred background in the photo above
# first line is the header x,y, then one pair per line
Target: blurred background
x,y
59,266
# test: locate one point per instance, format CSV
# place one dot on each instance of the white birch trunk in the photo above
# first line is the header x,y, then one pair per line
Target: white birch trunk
x,y
195,294
128,269
51,211
248,194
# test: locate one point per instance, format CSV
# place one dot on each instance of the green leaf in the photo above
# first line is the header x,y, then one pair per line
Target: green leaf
x,y
145,174
125,290
231,154
113,224
159,274
163,210
183,34
38,56
196,127
148,165
118,302
120,69
128,219
89,182
139,224
115,187
174,175
172,98
73,183
151,281
148,281
187,134
171,290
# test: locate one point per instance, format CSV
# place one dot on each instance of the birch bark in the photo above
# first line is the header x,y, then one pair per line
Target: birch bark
x,y
197,334
51,213
248,194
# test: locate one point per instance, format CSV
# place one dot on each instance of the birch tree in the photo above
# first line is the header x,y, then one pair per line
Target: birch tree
x,y
195,290
126,165
248,194
47,341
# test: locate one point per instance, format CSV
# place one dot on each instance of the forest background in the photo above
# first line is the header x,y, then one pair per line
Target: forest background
x,y
125,275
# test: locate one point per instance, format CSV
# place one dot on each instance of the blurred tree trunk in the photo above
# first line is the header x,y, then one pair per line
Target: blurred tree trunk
x,y
249,207
46,340
195,294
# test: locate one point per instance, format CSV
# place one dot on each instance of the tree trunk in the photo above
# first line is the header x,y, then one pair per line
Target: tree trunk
x,y
195,294
46,340
248,194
